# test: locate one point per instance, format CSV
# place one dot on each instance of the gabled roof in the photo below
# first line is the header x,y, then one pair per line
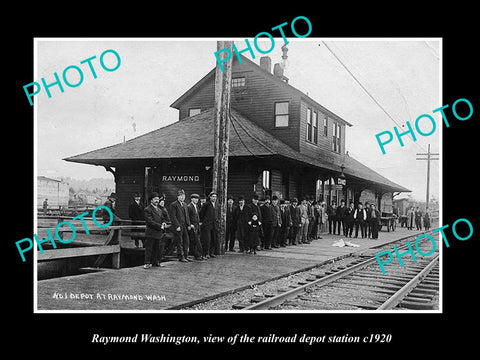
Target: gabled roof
x,y
269,76
193,137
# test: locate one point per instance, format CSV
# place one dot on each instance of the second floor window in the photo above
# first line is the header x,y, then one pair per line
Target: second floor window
x,y
309,124
325,125
281,114
238,82
312,126
336,137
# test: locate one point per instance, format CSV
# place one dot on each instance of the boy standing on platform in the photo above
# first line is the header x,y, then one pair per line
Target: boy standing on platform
x,y
253,234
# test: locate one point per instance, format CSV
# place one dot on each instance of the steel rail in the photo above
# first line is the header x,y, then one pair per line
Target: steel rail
x,y
396,298
281,298
277,300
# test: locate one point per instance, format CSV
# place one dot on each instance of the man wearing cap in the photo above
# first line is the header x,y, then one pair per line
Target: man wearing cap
x,y
110,203
194,230
267,216
156,225
135,213
208,218
180,226
296,219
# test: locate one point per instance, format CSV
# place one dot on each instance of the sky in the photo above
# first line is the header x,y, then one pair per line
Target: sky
x,y
403,75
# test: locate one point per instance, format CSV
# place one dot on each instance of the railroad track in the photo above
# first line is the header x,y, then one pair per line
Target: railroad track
x,y
361,285
269,294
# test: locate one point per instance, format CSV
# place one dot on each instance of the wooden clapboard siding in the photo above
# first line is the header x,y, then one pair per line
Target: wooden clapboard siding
x,y
256,100
202,98
240,182
323,147
128,181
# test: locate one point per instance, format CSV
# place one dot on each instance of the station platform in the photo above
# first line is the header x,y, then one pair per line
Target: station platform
x,y
176,284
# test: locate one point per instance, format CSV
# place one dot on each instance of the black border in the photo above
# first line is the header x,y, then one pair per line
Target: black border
x,y
73,332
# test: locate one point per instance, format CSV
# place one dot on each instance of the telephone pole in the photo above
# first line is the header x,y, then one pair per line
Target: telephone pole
x,y
221,140
428,158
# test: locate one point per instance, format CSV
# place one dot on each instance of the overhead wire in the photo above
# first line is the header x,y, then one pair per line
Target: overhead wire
x,y
366,90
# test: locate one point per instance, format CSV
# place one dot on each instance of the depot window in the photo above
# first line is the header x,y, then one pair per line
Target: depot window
x,y
281,114
194,111
238,81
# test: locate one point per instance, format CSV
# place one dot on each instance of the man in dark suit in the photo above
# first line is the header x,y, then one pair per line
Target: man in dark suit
x,y
276,223
180,226
286,222
359,218
230,226
349,220
295,217
241,218
332,216
194,229
156,225
341,217
135,213
209,227
110,203
374,221
418,218
267,217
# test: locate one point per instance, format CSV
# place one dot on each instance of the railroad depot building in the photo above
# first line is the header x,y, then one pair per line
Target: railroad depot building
x,y
282,142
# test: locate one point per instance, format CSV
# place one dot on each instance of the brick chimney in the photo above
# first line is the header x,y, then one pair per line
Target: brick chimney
x,y
266,63
278,72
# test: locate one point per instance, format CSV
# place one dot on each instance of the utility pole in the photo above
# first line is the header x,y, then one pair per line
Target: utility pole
x,y
428,158
221,139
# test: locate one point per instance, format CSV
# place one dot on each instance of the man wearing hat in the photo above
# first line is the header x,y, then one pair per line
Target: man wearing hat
x,y
267,217
296,219
180,225
110,203
208,218
194,230
156,225
241,218
230,226
135,213
277,223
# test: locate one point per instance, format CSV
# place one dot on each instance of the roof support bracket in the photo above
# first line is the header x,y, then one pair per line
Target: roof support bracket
x,y
109,169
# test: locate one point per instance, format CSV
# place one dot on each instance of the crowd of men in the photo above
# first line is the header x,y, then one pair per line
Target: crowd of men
x,y
257,225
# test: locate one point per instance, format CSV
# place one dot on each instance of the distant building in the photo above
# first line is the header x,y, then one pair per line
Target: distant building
x,y
56,191
402,205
